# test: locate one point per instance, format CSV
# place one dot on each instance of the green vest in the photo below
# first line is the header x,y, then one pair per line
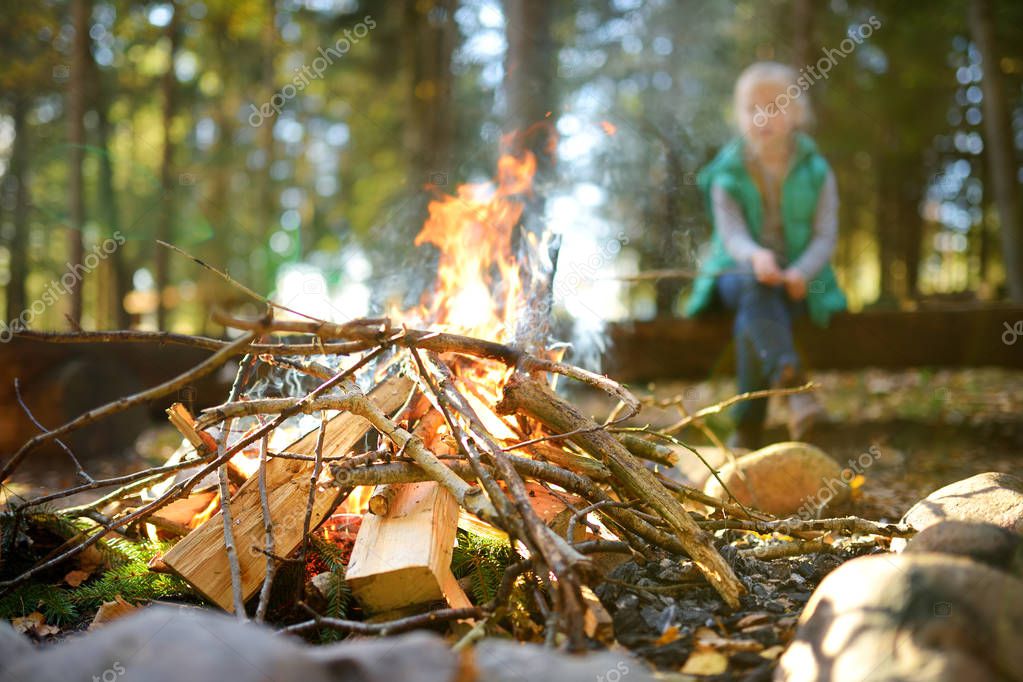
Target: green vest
x,y
800,192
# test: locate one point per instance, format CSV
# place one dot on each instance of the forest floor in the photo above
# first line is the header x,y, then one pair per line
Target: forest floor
x,y
930,427
926,429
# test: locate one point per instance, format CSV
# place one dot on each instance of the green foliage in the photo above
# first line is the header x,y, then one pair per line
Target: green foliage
x,y
54,602
484,561
128,577
338,594
133,582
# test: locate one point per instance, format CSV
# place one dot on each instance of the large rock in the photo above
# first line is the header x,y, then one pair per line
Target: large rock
x,y
694,470
163,644
497,660
991,497
784,479
929,617
984,542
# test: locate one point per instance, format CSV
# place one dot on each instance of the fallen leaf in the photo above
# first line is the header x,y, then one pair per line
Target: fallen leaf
x,y
705,637
705,662
111,610
772,652
669,636
91,559
751,619
76,578
34,624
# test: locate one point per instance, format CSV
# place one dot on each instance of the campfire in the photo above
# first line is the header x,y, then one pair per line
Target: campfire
x,y
421,421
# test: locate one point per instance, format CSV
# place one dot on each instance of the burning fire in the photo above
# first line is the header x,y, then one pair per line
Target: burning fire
x,y
478,281
477,293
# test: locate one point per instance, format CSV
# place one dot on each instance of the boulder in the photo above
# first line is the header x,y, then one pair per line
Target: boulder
x,y
984,542
692,471
784,479
497,660
991,497
13,647
166,644
930,617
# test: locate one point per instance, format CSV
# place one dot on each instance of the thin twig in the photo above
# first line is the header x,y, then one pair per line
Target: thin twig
x,y
391,627
314,476
64,446
206,343
268,528
225,497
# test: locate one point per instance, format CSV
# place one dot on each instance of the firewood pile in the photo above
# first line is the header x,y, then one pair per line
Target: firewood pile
x,y
423,428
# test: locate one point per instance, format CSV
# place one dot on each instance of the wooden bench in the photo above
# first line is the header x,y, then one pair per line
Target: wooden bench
x,y
964,336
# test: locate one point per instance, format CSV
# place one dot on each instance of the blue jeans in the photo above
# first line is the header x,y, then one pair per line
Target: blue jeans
x,y
763,338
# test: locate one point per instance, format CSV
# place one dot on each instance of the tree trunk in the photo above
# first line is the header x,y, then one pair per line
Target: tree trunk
x,y
802,32
165,220
529,78
17,194
117,276
998,145
267,195
887,224
429,36
80,12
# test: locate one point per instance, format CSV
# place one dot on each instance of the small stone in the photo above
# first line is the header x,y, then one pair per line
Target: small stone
x,y
992,497
783,479
984,542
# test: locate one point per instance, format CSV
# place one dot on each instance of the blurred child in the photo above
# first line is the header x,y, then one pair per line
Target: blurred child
x,y
774,210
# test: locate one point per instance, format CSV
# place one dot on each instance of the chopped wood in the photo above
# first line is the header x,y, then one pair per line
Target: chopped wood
x,y
184,422
199,558
404,558
402,554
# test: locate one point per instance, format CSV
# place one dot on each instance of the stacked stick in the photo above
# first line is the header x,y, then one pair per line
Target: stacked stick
x,y
556,445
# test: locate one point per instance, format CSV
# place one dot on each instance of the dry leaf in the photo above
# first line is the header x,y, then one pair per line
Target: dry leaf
x,y
773,652
34,624
751,619
111,610
90,559
669,636
707,638
76,578
705,662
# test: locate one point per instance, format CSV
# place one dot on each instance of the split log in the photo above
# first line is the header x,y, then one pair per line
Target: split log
x,y
534,399
200,558
402,554
404,558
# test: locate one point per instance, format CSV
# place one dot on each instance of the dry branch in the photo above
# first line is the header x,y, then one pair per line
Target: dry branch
x,y
532,398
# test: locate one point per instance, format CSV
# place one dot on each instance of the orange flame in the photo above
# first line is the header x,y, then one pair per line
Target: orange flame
x,y
478,283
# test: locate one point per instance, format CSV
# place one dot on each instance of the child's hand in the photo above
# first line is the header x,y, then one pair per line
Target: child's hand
x,y
765,267
795,284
